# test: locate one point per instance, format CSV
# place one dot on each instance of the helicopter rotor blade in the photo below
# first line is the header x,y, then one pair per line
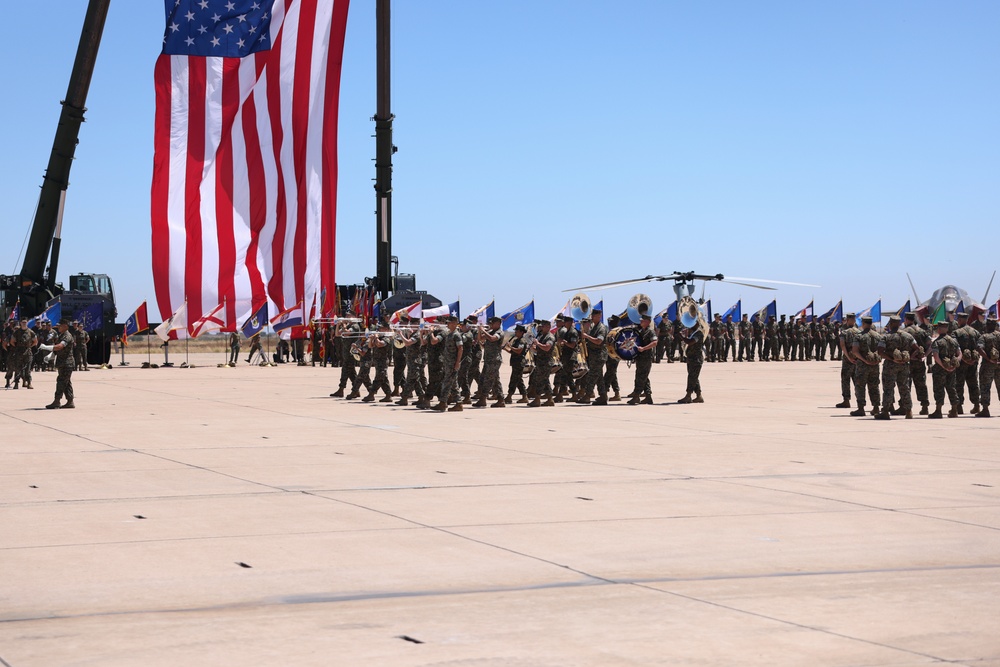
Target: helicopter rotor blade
x,y
620,283
776,282
987,294
734,282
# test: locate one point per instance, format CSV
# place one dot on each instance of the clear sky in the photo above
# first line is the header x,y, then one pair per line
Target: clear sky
x,y
549,144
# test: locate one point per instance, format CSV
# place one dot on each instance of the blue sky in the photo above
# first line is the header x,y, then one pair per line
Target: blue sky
x,y
545,145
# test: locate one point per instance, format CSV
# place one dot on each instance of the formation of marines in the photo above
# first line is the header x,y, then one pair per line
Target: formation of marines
x,y
960,355
447,361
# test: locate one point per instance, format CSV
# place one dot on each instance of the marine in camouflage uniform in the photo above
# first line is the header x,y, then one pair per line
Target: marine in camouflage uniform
x,y
611,364
947,356
845,342
468,341
435,365
380,346
566,342
967,373
452,344
784,329
730,337
364,375
771,340
896,347
918,363
821,339
693,352
865,351
348,369
20,348
398,369
474,351
744,329
65,363
989,372
594,334
538,384
517,349
715,338
415,381
662,337
80,339
491,340
643,362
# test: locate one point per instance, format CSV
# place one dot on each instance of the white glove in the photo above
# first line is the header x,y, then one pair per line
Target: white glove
x,y
46,348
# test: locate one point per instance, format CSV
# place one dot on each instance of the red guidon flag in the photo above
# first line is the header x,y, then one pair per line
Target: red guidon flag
x,y
245,166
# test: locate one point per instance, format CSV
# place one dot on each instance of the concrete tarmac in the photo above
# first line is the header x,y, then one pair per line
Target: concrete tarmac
x,y
240,516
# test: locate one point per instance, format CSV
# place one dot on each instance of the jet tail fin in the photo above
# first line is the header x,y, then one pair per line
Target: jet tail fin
x,y
987,293
917,298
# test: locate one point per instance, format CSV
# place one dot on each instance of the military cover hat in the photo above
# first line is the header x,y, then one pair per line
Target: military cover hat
x,y
866,318
520,328
965,315
846,315
894,318
943,323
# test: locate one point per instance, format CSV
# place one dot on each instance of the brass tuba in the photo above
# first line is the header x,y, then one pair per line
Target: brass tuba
x,y
639,305
691,316
580,307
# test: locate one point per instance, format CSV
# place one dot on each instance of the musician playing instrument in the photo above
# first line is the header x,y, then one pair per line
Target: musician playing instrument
x,y
362,347
695,339
517,348
348,368
381,346
594,334
415,382
451,361
542,347
491,339
566,341
643,362
611,363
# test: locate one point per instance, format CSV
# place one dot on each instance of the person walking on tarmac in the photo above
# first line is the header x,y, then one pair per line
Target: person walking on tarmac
x,y
65,364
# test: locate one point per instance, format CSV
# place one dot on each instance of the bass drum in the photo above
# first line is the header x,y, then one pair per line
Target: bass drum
x,y
622,343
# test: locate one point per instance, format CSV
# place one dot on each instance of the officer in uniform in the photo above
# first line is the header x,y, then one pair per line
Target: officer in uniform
x,y
452,344
845,342
918,364
380,352
744,329
435,364
693,357
538,384
595,334
784,329
662,337
491,340
567,339
363,377
715,339
517,349
896,347
967,373
730,339
611,364
946,355
643,362
865,352
989,372
474,352
65,363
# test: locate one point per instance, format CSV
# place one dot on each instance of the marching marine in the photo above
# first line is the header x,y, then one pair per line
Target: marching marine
x,y
595,334
896,348
946,356
65,363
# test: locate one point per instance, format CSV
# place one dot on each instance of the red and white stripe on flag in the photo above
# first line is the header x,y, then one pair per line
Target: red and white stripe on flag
x,y
244,190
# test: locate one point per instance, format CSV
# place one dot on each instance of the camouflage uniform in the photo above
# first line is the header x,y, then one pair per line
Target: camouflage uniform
x,y
452,344
989,371
415,380
896,368
771,340
643,364
348,369
784,328
364,374
866,375
918,365
381,358
80,340
662,336
757,333
65,363
474,374
435,365
946,348
597,354
967,372
22,342
730,339
693,353
567,356
492,361
398,368
744,329
714,337
516,382
846,339
538,384
234,347
465,369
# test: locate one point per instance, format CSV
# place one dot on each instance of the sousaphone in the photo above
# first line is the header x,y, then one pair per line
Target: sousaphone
x,y
580,307
639,305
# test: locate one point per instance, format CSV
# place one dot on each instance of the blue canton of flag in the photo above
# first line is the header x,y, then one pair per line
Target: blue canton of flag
x,y
524,315
255,323
220,28
454,310
91,317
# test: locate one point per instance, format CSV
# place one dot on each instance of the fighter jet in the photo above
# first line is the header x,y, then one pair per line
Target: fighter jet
x,y
952,297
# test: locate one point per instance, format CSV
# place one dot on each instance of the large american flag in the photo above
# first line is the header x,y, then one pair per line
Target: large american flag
x,y
244,190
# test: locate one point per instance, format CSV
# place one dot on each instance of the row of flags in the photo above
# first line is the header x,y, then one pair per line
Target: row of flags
x,y
92,316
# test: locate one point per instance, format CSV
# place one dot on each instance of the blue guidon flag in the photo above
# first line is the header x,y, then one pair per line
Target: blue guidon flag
x,y
256,322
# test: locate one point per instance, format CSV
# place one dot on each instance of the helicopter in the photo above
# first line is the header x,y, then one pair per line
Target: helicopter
x,y
684,282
